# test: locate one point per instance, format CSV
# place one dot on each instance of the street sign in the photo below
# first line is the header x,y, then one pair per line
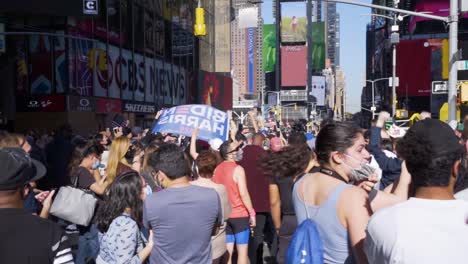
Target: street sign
x,y
439,87
90,7
462,65
390,81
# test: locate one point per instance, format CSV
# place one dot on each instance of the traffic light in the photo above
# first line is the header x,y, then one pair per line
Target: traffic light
x,y
295,107
199,27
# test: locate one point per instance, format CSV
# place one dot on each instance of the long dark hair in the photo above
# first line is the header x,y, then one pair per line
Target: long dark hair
x,y
82,151
123,192
290,161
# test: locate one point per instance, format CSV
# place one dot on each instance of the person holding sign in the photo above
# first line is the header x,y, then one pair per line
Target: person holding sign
x,y
242,216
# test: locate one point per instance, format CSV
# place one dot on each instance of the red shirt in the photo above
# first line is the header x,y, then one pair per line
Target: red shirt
x,y
224,174
257,182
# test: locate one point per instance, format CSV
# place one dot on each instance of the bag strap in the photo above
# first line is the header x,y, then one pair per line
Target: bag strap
x,y
333,174
75,181
304,198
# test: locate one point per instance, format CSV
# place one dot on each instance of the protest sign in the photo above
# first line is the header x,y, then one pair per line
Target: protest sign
x,y
211,122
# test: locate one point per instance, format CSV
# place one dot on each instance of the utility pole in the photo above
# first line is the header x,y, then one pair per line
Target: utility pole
x,y
453,58
309,49
278,45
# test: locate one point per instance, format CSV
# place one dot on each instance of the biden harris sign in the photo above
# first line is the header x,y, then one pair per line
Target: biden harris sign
x,y
211,122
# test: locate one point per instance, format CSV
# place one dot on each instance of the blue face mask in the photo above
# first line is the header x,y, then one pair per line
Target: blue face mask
x,y
96,165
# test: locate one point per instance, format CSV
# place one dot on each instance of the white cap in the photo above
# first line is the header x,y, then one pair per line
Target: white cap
x,y
215,143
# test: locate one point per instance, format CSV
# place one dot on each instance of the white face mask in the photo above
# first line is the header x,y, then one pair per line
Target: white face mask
x,y
362,172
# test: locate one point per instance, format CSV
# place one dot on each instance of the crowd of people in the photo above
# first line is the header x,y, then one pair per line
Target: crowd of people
x,y
375,196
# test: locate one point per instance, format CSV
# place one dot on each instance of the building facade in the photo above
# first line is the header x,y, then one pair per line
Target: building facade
x,y
63,65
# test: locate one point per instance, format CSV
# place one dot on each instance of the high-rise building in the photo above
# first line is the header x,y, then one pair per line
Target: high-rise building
x,y
340,96
246,58
333,33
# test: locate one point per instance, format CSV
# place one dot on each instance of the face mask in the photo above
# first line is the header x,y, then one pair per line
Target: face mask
x,y
96,165
360,173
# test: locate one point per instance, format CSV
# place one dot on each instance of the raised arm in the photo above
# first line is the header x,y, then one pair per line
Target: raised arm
x,y
193,144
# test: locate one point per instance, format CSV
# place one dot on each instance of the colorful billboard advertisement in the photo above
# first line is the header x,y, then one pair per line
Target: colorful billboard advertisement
x,y
269,47
80,73
293,22
215,90
40,64
318,89
293,66
318,46
250,60
433,7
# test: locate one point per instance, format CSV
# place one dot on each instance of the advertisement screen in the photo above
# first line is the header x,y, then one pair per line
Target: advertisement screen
x,y
215,90
318,89
251,32
413,68
318,46
293,22
293,66
269,47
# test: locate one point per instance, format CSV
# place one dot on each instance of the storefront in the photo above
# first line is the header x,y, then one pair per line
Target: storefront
x,y
139,113
40,112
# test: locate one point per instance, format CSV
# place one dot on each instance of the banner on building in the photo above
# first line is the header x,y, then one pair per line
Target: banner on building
x,y
318,46
182,120
140,79
40,64
293,66
318,89
215,90
269,47
79,70
250,60
293,22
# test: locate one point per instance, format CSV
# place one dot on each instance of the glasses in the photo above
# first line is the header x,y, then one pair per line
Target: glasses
x,y
235,150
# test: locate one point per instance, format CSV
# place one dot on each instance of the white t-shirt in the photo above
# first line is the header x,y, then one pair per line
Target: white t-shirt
x,y
419,231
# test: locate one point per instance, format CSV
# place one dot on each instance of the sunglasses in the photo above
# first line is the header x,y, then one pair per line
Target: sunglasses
x,y
235,150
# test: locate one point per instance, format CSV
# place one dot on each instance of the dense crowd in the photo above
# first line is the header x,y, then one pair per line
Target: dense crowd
x,y
126,195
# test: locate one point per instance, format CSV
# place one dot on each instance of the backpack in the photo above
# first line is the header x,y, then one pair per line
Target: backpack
x,y
306,245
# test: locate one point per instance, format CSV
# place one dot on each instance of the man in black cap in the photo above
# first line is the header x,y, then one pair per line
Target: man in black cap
x,y
432,226
26,238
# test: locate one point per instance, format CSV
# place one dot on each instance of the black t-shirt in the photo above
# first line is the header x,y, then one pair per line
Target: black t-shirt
x,y
85,178
26,238
285,186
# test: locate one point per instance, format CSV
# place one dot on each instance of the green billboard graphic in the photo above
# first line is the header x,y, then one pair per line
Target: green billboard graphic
x,y
318,46
269,47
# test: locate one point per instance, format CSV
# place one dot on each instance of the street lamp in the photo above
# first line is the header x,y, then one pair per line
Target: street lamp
x,y
373,108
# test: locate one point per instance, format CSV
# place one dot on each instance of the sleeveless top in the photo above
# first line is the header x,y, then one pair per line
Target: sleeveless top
x,y
224,174
334,235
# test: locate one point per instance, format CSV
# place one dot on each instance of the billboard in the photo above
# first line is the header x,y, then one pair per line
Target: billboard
x,y
318,89
269,47
80,72
250,60
215,90
318,46
293,22
139,77
293,66
414,68
40,64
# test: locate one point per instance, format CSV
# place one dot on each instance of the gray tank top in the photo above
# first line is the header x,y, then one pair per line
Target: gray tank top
x,y
334,235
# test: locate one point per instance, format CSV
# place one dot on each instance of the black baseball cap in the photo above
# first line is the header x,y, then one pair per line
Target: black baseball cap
x,y
18,169
438,135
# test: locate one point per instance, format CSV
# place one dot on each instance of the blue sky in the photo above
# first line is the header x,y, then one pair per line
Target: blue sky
x,y
353,47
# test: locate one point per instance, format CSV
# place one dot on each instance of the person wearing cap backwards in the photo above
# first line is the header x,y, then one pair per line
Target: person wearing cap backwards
x,y
26,238
432,226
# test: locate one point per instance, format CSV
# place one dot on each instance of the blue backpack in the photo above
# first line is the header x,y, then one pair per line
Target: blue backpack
x,y
306,245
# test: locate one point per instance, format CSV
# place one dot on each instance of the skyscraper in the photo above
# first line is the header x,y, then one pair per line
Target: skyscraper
x,y
333,30
246,57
